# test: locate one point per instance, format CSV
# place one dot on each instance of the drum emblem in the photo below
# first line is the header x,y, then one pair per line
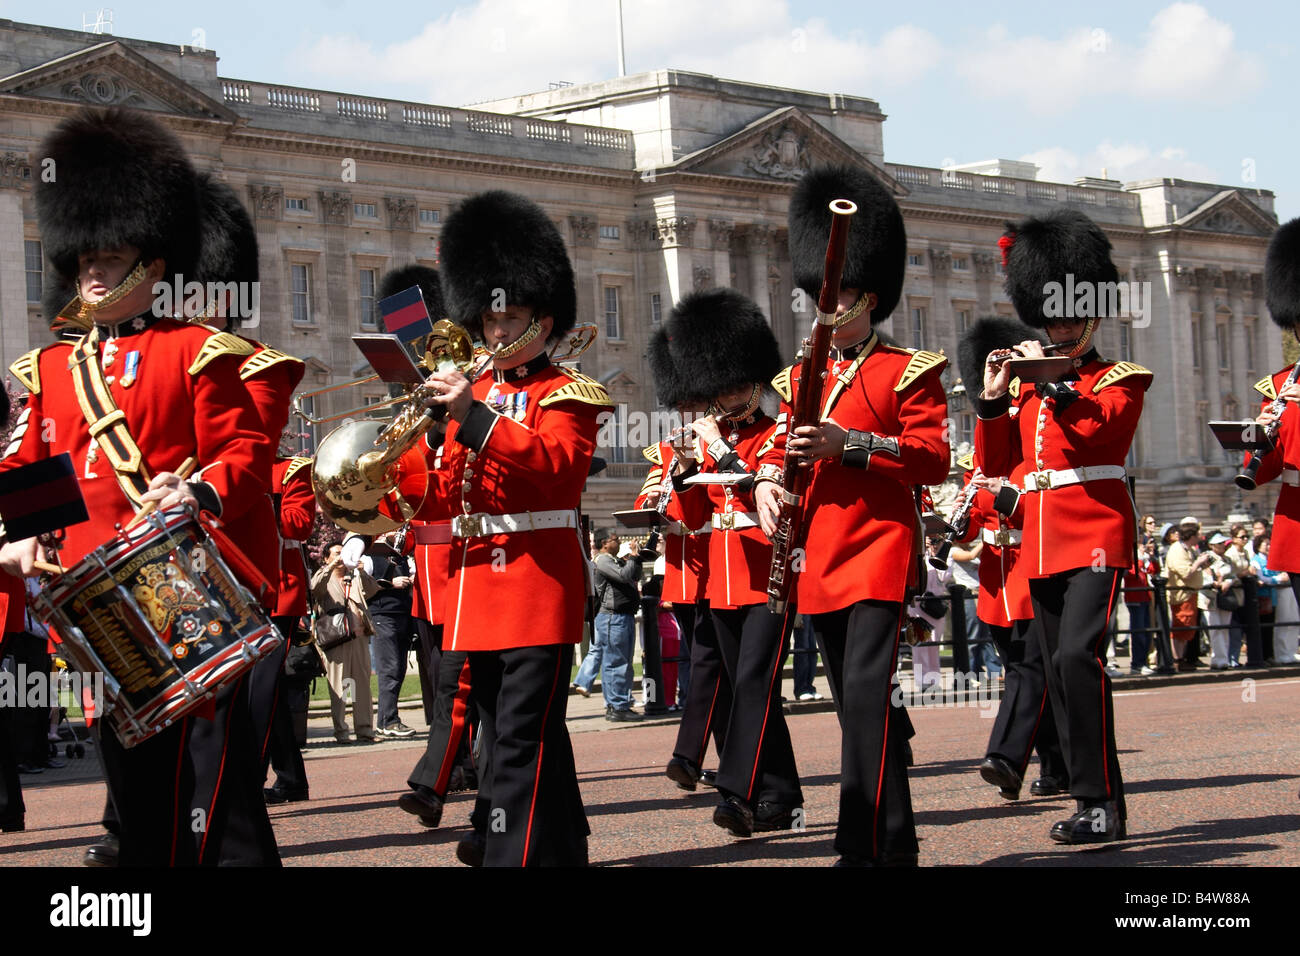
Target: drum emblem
x,y
167,597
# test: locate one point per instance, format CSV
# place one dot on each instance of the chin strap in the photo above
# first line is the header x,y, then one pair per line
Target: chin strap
x,y
522,342
744,411
858,308
1082,343
82,312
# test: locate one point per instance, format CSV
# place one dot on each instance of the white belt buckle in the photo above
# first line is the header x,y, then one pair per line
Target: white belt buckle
x,y
1043,480
470,526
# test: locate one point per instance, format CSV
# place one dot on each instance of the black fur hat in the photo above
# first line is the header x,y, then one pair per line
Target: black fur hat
x,y
985,336
713,342
119,179
1048,249
876,256
398,280
501,240
56,293
228,241
1282,275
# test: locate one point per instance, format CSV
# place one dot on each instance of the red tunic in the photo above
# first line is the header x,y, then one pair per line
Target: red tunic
x,y
686,550
1284,549
172,414
291,481
740,559
525,446
431,549
1087,523
1004,593
863,528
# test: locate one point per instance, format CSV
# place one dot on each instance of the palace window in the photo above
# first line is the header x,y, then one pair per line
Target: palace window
x,y
295,204
656,308
610,232
366,285
34,269
300,293
430,217
613,325
365,210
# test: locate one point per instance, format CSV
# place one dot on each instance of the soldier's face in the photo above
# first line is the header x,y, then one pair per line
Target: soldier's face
x,y
502,328
856,329
102,271
1066,331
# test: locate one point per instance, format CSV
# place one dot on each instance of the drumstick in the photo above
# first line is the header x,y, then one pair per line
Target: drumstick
x,y
47,567
182,473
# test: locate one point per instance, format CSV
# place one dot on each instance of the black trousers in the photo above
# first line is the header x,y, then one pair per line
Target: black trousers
x,y
859,646
1071,614
29,726
707,708
11,788
390,645
757,763
282,750
191,795
1025,722
447,743
529,807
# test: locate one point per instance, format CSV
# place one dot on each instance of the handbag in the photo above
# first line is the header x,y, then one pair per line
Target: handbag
x,y
1227,601
333,629
933,606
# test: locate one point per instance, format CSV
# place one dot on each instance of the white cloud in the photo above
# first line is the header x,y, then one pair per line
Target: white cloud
x,y
1126,162
494,48
1185,54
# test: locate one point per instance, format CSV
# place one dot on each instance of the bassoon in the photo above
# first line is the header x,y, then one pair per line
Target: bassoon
x,y
805,409
1246,480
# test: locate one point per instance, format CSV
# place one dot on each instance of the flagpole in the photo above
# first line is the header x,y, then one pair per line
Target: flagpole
x,y
622,66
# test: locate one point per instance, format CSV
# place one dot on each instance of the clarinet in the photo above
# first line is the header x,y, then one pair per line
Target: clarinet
x,y
956,527
805,409
1246,480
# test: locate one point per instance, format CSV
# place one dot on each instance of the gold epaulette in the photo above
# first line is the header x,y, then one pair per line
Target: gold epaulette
x,y
296,464
651,453
1265,387
582,389
652,481
782,383
217,345
920,363
966,462
27,369
1014,387
261,360
1118,371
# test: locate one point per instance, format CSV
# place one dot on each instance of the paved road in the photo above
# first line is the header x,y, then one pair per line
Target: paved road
x,y
1212,772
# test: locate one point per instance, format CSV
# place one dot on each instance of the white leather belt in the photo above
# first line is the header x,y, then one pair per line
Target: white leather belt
x,y
735,520
479,525
1291,477
1006,537
1046,480
677,528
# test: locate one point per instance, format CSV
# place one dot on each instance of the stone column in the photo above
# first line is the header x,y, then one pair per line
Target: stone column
x,y
938,330
15,334
676,234
985,270
1208,281
273,321
1238,287
335,312
401,223
720,232
759,238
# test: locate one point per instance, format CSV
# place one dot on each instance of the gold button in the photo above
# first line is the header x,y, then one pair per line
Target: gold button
x,y
466,486
470,456
469,472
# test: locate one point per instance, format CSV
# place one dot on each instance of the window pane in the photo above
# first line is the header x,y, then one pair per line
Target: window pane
x,y
612,329
656,309
367,286
300,284
33,266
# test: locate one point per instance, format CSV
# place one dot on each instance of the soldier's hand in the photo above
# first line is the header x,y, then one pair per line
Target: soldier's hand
x,y
19,558
810,442
401,582
170,491
451,389
652,499
707,429
1290,392
767,498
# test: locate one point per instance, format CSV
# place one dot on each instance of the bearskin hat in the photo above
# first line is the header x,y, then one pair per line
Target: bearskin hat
x,y
988,335
119,179
502,241
227,241
1282,275
57,292
399,280
876,254
1044,251
713,342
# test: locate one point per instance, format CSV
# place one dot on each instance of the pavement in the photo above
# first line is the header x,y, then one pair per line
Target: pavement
x,y
1211,766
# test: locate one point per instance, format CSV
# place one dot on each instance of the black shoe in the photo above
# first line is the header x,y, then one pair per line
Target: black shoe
x,y
1049,787
775,816
884,860
13,824
278,794
103,853
683,773
470,850
709,778
734,815
423,803
1002,775
30,768
1100,823
622,716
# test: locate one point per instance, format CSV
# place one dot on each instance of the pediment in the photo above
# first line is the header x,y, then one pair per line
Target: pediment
x,y
1229,212
112,74
783,145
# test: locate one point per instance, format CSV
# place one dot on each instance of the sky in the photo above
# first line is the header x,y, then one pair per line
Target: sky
x,y
1190,90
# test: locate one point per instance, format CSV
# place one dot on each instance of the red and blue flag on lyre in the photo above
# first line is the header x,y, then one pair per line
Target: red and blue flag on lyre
x,y
405,314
